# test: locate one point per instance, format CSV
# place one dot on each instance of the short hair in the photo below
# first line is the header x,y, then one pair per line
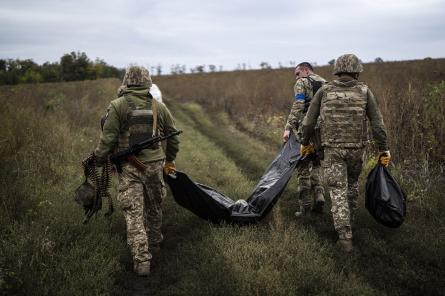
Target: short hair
x,y
305,65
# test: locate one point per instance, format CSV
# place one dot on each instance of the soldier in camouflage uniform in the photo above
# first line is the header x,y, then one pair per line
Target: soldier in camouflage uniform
x,y
132,117
344,106
306,86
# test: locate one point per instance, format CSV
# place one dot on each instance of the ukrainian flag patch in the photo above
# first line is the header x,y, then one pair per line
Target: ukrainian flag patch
x,y
299,97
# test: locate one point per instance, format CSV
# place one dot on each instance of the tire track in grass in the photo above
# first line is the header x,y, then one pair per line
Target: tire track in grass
x,y
251,155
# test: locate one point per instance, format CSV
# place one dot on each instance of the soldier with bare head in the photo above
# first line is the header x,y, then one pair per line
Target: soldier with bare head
x,y
310,188
344,106
132,118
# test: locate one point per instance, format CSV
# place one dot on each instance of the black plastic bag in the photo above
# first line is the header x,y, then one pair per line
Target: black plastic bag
x,y
214,206
384,199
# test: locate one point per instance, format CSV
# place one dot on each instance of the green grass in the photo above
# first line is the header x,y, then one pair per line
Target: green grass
x,y
251,155
45,250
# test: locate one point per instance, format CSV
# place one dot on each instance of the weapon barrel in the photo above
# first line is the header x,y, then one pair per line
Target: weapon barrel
x,y
122,155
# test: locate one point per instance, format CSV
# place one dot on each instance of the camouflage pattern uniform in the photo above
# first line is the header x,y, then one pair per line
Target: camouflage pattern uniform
x,y
344,106
140,198
130,118
309,172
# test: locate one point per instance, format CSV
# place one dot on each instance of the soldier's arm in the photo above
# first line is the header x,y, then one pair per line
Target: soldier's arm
x,y
296,114
377,125
167,126
310,120
109,136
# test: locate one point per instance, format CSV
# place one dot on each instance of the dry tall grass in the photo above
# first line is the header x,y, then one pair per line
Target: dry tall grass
x,y
410,95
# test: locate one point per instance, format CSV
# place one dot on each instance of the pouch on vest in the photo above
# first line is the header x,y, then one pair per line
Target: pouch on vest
x,y
142,124
384,199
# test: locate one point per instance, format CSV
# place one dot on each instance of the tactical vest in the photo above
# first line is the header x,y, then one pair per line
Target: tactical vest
x,y
316,85
343,116
141,124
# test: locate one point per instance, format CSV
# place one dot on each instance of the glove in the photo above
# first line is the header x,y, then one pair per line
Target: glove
x,y
169,167
384,158
306,149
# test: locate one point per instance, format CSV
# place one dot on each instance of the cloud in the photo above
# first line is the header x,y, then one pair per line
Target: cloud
x,y
221,33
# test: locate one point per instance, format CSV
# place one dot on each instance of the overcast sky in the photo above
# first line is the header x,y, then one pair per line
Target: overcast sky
x,y
226,33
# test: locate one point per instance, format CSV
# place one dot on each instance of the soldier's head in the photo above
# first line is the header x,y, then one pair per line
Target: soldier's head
x,y
136,76
348,64
303,69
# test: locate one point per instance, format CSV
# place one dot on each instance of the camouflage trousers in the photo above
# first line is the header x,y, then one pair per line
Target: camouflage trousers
x,y
308,174
341,170
140,198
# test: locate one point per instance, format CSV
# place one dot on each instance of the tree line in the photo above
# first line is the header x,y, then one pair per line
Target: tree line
x,y
72,66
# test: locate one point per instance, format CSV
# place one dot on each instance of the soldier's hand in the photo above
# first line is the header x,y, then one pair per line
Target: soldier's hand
x,y
306,149
384,158
169,167
286,135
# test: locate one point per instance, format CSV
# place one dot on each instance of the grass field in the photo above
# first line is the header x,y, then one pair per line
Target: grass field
x,y
47,129
410,94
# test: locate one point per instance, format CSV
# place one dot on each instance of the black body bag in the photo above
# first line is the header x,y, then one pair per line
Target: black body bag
x,y
214,206
384,199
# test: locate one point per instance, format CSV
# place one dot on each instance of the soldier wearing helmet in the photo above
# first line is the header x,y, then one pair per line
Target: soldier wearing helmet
x,y
133,117
309,186
344,106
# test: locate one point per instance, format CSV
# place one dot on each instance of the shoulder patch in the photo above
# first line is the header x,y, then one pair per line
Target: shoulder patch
x,y
300,97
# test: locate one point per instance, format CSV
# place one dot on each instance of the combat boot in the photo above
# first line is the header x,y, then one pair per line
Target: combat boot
x,y
319,202
305,211
345,241
142,268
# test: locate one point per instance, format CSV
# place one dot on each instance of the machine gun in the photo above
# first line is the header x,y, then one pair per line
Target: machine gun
x,y
129,154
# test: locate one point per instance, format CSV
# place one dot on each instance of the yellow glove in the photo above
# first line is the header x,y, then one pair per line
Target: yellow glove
x,y
306,149
384,158
169,167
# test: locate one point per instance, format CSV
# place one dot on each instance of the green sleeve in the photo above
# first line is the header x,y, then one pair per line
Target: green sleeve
x,y
167,126
377,125
110,134
310,120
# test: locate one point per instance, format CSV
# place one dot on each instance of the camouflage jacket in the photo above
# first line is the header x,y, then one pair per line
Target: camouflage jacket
x,y
117,117
344,87
303,95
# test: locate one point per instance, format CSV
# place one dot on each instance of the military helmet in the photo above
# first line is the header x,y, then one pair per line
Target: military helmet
x,y
347,63
85,195
137,76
